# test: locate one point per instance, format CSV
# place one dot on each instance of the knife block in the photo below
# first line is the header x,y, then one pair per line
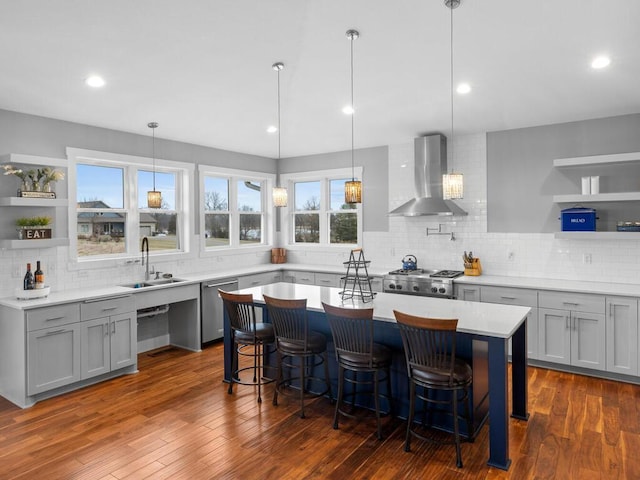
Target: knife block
x,y
474,268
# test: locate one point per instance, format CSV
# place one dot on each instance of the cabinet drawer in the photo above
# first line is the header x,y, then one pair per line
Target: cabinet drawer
x,y
308,278
105,308
52,316
509,296
579,302
327,279
258,279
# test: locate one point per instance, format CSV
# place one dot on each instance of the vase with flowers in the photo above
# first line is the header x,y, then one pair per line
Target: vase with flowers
x,y
35,181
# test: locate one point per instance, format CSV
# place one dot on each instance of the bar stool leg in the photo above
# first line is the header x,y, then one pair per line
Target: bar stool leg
x,y
257,364
456,428
340,394
412,404
303,366
377,402
327,380
234,364
279,379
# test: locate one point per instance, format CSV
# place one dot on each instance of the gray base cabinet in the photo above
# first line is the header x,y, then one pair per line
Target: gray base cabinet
x,y
108,344
109,335
572,329
622,335
53,358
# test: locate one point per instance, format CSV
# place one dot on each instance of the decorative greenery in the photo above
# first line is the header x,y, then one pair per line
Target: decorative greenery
x,y
33,221
46,175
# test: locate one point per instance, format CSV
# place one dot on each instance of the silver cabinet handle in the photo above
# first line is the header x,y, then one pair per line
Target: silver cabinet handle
x,y
53,332
566,322
106,329
508,298
213,285
55,318
109,308
570,303
94,300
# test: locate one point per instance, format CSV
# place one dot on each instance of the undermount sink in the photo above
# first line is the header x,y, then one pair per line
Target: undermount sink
x,y
154,283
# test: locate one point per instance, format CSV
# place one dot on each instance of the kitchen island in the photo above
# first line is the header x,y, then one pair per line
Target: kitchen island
x,y
484,331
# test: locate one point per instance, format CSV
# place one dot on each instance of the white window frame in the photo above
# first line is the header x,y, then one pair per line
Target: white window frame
x,y
322,176
233,176
184,172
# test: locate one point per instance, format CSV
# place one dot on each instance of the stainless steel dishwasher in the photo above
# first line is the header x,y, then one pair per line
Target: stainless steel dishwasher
x,y
212,309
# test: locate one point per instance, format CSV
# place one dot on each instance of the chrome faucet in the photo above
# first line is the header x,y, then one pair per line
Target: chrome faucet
x,y
145,243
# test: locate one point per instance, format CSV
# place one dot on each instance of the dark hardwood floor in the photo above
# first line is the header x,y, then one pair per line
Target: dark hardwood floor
x,y
174,419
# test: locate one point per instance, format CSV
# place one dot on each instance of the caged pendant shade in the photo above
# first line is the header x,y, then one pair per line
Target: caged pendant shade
x,y
279,193
353,188
452,183
154,197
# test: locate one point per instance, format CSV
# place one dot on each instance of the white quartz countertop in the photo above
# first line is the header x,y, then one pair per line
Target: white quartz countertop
x,y
487,319
578,286
59,297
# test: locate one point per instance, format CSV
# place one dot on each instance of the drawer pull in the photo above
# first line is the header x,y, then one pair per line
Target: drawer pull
x,y
109,308
508,298
55,318
570,303
53,332
94,300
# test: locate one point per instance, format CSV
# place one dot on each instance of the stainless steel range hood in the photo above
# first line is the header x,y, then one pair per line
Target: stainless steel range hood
x,y
430,163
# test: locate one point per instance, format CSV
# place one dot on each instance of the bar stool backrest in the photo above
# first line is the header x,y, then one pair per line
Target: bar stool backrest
x,y
429,343
289,319
352,331
240,310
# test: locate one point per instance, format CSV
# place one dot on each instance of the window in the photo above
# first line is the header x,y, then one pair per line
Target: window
x,y
233,206
112,216
318,214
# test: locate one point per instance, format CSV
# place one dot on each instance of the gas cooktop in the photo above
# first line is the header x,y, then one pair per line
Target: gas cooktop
x,y
428,273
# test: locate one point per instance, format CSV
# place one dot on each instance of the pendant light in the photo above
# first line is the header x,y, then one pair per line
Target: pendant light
x,y
452,183
352,189
154,197
279,193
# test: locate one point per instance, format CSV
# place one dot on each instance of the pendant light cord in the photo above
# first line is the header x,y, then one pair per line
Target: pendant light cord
x,y
278,113
451,6
353,111
153,152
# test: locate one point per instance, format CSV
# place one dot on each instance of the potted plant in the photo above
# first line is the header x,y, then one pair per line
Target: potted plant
x,y
34,228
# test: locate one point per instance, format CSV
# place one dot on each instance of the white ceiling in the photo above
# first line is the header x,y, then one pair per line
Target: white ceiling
x,y
202,68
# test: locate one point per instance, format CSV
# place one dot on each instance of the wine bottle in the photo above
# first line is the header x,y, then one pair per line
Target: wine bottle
x,y
39,276
28,283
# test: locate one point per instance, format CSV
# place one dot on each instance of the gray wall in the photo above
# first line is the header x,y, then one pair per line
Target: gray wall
x,y
521,180
375,181
32,135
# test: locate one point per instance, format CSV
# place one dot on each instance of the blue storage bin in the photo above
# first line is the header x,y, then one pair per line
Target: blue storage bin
x,y
578,219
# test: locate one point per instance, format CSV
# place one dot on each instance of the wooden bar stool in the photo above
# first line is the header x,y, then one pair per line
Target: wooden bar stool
x,y
356,351
430,351
294,341
248,337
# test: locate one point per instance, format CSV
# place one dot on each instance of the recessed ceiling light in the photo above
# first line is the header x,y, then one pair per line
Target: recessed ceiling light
x,y
272,129
600,62
347,110
463,88
95,81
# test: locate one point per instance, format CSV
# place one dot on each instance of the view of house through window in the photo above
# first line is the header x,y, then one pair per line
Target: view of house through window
x,y
104,216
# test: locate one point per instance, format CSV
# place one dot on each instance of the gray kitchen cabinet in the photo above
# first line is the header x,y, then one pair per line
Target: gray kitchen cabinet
x,y
622,335
248,281
571,329
294,276
108,336
521,297
53,347
327,279
469,293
